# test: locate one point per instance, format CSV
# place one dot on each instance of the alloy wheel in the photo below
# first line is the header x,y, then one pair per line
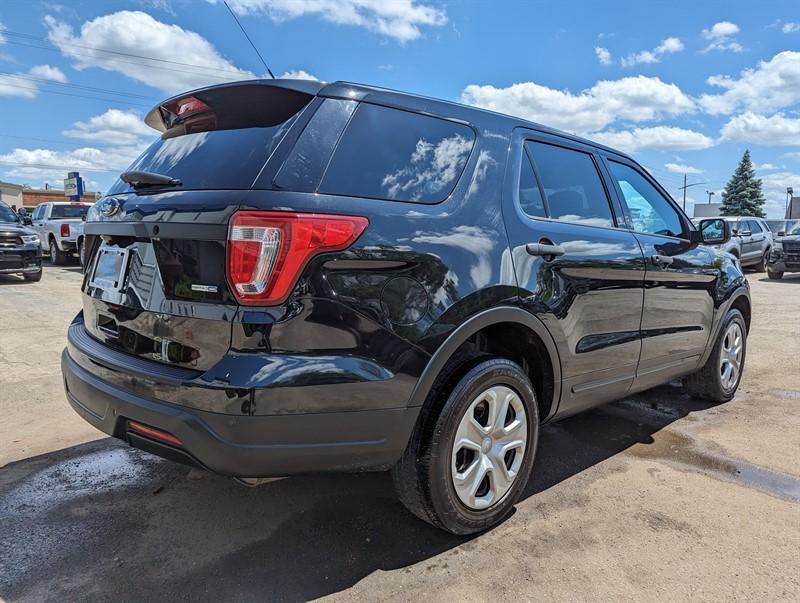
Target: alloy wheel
x,y
489,447
730,360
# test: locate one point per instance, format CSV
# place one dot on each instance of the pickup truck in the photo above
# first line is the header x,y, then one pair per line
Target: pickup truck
x,y
60,228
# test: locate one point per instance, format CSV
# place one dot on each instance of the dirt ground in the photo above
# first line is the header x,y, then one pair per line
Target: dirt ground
x,y
657,497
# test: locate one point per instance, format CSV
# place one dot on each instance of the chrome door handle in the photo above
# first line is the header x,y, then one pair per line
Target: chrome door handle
x,y
662,260
545,249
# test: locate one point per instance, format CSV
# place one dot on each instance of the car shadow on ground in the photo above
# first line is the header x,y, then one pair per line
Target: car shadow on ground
x,y
100,519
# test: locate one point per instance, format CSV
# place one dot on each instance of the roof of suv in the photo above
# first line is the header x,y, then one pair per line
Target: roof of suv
x,y
388,97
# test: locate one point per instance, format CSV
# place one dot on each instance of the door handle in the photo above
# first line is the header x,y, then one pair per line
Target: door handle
x,y
662,260
545,249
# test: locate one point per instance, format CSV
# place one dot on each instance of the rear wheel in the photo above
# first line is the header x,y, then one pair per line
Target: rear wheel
x,y
720,376
472,451
57,257
774,275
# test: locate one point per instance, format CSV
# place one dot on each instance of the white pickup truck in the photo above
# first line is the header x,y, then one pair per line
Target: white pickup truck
x,y
60,228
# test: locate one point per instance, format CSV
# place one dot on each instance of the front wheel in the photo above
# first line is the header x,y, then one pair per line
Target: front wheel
x,y
33,277
762,263
472,451
719,378
776,276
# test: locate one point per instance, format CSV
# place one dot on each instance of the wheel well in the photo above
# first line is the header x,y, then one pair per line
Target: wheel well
x,y
742,304
518,343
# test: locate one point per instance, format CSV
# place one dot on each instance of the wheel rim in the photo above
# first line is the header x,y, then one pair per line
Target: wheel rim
x,y
489,447
730,356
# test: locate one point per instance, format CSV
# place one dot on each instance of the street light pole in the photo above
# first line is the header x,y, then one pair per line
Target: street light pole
x,y
709,193
789,193
685,186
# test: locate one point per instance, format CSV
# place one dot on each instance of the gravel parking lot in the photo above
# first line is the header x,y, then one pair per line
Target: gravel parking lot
x,y
654,497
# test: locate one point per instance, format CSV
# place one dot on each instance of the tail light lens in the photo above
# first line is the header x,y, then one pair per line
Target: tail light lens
x,y
267,251
65,230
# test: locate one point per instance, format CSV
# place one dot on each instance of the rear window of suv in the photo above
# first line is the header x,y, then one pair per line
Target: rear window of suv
x,y
229,149
397,155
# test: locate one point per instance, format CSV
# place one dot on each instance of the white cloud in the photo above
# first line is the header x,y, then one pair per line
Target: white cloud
x,y
298,74
135,32
766,167
603,55
790,27
635,99
2,37
668,46
660,138
398,19
770,130
48,164
48,72
113,127
21,85
677,168
772,85
774,188
795,155
720,37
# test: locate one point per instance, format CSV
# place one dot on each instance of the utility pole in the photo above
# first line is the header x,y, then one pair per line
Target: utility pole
x,y
789,194
709,193
685,186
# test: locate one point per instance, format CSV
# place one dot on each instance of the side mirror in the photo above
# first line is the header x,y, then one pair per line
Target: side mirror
x,y
744,233
26,220
781,233
714,231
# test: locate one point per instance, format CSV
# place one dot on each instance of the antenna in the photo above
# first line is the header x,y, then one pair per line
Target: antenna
x,y
272,75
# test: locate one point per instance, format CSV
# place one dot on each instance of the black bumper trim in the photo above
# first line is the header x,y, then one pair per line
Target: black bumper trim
x,y
248,446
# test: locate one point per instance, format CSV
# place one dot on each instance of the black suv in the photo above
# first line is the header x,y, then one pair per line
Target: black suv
x,y
300,277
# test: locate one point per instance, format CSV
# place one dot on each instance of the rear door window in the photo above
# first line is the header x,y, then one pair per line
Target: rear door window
x,y
398,155
530,197
572,185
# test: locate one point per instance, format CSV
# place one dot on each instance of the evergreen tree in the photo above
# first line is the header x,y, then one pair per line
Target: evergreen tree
x,y
742,195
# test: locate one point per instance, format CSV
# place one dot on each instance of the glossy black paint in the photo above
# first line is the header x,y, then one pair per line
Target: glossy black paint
x,y
16,256
366,330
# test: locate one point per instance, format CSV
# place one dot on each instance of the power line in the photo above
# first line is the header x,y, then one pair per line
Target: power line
x,y
96,98
43,166
47,140
7,32
24,76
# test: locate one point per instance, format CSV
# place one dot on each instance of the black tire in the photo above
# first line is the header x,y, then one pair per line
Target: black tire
x,y
762,263
707,383
33,277
774,275
81,258
57,257
423,476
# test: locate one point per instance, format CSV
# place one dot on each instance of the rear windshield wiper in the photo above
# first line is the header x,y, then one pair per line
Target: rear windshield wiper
x,y
143,179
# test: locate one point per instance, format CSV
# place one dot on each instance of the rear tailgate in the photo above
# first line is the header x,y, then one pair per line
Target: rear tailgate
x,y
171,303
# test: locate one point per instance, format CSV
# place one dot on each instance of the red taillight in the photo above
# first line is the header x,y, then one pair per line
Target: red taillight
x,y
153,433
267,250
184,107
65,230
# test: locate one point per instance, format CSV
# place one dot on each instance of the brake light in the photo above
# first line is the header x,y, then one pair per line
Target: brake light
x,y
152,432
65,230
268,250
192,113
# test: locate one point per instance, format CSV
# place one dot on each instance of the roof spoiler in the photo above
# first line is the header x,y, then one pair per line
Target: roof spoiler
x,y
237,98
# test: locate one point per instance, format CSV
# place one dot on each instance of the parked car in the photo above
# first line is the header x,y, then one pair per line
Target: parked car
x,y
780,228
732,246
785,256
755,238
20,252
60,228
300,277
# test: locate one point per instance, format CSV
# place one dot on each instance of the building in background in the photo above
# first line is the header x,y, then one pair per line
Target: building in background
x,y
31,197
11,194
707,210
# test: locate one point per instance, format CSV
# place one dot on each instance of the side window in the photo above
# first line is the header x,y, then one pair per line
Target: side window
x,y
398,155
649,210
755,226
36,212
530,197
572,185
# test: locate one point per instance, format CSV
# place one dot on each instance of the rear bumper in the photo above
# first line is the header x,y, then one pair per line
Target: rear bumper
x,y
244,445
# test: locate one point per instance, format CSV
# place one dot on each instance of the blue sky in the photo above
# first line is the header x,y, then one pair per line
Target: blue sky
x,y
683,86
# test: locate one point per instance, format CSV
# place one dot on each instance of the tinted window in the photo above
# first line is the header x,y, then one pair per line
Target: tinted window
x,y
304,167
67,212
649,209
7,214
755,226
530,197
392,154
572,186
